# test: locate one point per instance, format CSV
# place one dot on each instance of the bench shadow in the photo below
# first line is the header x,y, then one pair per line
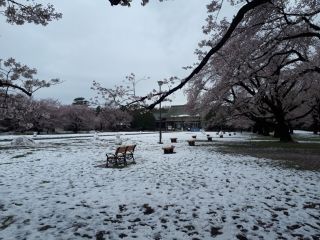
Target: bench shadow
x,y
119,166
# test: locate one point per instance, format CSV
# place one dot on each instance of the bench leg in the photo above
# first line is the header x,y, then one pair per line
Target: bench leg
x,y
130,156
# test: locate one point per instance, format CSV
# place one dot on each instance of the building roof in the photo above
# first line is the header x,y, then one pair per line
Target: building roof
x,y
175,111
178,111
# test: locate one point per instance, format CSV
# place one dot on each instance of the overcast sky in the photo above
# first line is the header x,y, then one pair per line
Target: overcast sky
x,y
94,41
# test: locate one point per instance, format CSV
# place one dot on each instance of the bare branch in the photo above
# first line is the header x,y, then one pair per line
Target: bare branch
x,y
235,22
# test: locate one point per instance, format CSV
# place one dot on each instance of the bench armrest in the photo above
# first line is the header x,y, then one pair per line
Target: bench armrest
x,y
110,155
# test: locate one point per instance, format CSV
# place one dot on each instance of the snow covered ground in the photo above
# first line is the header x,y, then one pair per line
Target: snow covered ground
x,y
56,191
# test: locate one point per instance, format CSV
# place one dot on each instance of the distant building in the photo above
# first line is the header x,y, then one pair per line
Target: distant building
x,y
177,117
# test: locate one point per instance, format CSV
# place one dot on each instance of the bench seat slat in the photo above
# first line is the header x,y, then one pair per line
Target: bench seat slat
x,y
122,154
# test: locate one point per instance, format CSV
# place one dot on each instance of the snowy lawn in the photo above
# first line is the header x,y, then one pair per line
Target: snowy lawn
x,y
56,191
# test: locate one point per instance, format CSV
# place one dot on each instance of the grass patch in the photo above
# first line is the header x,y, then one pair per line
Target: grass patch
x,y
22,155
44,182
6,222
314,138
305,156
296,137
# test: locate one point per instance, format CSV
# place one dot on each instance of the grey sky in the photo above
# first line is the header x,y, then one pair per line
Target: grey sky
x,y
94,41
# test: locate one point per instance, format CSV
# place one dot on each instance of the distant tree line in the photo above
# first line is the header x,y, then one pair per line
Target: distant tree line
x,y
26,114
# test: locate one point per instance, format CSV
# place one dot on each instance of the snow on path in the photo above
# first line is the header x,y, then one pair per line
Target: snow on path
x,y
55,191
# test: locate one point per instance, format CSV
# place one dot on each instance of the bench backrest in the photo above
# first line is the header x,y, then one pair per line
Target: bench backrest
x,y
121,150
130,148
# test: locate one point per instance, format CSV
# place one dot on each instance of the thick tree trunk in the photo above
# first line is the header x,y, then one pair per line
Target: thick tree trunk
x,y
284,133
315,125
282,129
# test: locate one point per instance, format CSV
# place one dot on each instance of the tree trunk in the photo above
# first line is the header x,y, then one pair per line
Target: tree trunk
x,y
284,133
282,129
315,125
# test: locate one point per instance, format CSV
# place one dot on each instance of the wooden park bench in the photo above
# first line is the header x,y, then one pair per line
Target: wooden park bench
x,y
121,155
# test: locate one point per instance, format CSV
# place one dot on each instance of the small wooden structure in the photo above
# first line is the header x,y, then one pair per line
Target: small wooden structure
x,y
173,140
168,149
191,142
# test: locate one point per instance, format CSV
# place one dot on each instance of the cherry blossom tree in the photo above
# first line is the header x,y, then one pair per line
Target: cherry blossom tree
x,y
44,115
124,95
14,116
225,33
266,68
76,117
14,76
266,63
276,101
112,118
20,12
25,114
127,2
314,104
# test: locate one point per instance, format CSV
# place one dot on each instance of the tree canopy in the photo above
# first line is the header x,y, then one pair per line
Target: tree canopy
x,y
262,64
24,11
16,77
